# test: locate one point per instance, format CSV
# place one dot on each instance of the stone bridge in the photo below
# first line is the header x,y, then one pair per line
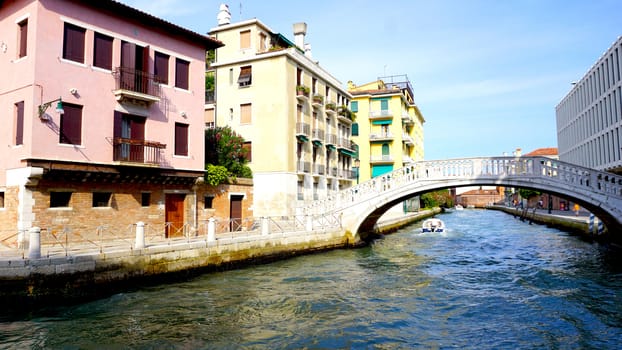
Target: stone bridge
x,y
361,206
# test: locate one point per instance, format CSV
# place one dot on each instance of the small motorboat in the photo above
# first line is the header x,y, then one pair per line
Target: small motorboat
x,y
459,207
433,225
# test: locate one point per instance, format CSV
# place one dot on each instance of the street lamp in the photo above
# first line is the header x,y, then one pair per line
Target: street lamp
x,y
357,168
43,107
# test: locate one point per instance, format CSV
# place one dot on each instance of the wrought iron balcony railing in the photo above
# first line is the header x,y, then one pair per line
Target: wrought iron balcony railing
x,y
137,151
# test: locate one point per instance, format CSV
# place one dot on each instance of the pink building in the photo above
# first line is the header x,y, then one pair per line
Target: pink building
x,y
126,142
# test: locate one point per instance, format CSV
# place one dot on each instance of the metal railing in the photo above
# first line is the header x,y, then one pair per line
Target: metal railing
x,y
138,151
134,80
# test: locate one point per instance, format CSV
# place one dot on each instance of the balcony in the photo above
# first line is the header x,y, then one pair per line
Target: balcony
x,y
331,140
136,86
317,101
302,93
407,119
137,151
303,131
347,174
407,139
303,167
331,107
344,113
383,136
381,114
317,135
385,158
318,169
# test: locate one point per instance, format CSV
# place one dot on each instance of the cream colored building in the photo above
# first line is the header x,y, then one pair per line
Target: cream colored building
x,y
389,125
291,112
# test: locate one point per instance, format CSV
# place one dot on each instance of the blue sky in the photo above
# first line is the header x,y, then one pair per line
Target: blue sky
x,y
487,74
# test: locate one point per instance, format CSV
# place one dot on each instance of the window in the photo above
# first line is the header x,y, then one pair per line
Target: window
x,y
59,199
355,129
354,106
248,146
1,199
19,123
23,38
160,67
73,43
101,199
71,125
145,199
210,121
384,104
181,139
245,113
209,202
245,77
314,86
245,39
102,51
181,73
263,39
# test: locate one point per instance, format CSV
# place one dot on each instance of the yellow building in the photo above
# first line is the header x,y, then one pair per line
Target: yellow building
x,y
389,125
291,112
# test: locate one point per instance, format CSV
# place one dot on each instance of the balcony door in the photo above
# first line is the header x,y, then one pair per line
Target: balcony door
x,y
131,130
134,66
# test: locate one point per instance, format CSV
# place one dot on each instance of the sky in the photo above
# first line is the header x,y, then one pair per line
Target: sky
x,y
487,74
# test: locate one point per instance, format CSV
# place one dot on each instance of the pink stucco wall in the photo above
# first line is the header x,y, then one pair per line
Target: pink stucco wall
x,y
43,75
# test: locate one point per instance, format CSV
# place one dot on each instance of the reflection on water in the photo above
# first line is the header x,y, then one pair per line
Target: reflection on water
x,y
489,282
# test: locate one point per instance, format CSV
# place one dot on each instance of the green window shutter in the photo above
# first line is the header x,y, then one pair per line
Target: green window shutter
x,y
384,104
385,149
354,106
355,129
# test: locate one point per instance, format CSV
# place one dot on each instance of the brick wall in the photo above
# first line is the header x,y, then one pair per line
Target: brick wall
x,y
221,200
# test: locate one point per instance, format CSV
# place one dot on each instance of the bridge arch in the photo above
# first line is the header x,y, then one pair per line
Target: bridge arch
x,y
361,206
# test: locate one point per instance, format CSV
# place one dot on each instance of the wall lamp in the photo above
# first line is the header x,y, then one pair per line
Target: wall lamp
x,y
45,106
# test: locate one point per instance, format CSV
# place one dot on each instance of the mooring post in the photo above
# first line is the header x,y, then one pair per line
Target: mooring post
x,y
140,235
211,230
34,249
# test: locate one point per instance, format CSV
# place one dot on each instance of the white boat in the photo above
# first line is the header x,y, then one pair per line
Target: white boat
x,y
459,207
433,225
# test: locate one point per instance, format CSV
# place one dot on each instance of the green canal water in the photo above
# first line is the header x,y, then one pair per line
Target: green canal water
x,y
490,282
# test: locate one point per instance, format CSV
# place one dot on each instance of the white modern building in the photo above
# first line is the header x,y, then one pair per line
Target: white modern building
x,y
589,118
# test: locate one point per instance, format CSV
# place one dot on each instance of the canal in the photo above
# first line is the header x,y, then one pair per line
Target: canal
x,y
490,282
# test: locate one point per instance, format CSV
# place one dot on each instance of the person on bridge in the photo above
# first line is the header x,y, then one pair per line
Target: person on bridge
x,y
576,209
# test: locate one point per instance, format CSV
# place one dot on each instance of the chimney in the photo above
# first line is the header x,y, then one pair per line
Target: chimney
x,y
300,30
224,16
308,51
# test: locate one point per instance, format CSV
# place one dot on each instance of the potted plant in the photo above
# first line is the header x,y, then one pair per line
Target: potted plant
x,y
302,90
331,106
317,98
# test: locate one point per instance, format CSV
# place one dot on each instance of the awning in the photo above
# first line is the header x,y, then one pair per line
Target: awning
x,y
347,152
331,147
317,143
245,75
302,138
382,122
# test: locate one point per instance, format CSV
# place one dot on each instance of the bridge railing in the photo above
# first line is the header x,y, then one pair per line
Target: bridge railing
x,y
493,168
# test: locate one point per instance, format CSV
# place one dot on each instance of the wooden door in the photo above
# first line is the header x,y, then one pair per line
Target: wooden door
x,y
235,213
174,214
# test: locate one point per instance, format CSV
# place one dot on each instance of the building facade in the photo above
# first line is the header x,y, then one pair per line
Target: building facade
x,y
292,113
589,117
389,125
104,117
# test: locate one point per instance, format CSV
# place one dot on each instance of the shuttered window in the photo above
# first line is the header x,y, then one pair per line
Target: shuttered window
x,y
209,118
19,123
102,51
160,67
245,77
73,43
245,39
248,146
181,73
245,113
23,38
71,125
181,139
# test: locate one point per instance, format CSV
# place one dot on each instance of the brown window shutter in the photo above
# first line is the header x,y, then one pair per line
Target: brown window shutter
x,y
71,125
181,73
73,44
181,139
160,67
102,55
23,38
19,123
